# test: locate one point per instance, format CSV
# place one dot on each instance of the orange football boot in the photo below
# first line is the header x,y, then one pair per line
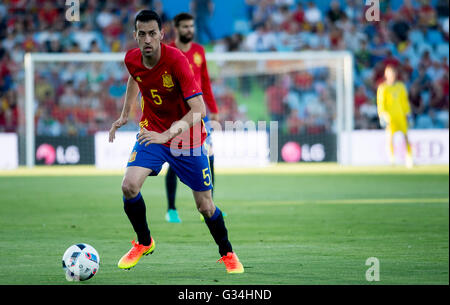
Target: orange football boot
x,y
132,257
232,263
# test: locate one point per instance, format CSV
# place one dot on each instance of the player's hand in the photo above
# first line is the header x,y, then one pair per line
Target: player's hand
x,y
116,125
410,119
152,137
384,121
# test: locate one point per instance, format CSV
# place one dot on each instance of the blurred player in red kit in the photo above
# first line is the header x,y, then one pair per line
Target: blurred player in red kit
x,y
195,53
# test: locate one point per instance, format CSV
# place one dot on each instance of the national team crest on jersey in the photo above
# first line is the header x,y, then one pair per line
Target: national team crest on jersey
x,y
167,80
198,60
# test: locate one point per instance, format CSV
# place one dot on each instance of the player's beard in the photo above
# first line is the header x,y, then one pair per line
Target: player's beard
x,y
186,38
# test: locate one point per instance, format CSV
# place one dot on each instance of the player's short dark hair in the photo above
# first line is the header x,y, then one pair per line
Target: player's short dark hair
x,y
181,17
146,16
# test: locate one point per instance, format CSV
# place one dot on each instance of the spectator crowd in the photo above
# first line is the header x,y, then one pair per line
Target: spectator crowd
x,y
414,37
79,99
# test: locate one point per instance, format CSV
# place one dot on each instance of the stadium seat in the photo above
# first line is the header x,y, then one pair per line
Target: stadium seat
x,y
242,26
421,48
424,121
442,50
434,37
416,37
414,59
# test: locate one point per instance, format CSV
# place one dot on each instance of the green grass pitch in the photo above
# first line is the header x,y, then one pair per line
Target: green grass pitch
x,y
311,227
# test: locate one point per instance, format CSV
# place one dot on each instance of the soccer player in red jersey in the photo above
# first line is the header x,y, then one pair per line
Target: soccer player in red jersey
x,y
172,131
194,52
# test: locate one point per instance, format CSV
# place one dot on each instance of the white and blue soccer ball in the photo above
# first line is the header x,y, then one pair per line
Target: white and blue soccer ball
x,y
80,262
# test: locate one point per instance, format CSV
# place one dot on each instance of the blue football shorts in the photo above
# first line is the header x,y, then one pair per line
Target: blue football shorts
x,y
190,165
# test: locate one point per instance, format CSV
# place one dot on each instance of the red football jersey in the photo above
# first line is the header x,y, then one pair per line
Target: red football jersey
x,y
197,59
165,88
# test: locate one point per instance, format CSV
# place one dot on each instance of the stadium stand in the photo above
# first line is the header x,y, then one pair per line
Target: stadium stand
x,y
78,100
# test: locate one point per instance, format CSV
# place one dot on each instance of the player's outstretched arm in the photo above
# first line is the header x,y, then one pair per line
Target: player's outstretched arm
x,y
130,97
194,116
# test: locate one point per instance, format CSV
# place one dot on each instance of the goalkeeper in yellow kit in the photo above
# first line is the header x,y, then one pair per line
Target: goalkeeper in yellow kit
x,y
394,110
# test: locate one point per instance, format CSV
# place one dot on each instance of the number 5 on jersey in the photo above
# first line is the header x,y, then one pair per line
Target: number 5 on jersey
x,y
157,99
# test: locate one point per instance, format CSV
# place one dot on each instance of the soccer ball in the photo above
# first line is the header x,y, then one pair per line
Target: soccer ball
x,y
80,262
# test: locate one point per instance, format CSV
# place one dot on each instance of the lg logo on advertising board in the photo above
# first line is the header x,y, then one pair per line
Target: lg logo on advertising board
x,y
293,152
50,155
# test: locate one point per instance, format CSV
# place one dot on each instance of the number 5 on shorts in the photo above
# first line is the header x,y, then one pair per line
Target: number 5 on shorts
x,y
206,176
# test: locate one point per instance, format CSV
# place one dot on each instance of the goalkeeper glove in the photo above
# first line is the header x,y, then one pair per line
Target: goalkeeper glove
x,y
383,122
410,119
